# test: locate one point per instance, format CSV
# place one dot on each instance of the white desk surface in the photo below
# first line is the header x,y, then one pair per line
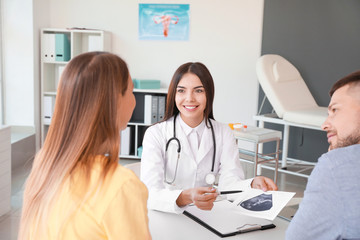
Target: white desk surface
x,y
165,226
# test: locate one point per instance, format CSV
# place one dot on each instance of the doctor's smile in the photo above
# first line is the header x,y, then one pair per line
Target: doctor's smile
x,y
190,107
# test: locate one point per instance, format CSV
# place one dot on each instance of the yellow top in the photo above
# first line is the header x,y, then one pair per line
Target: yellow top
x,y
115,210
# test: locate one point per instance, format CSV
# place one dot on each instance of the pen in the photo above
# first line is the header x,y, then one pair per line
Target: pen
x,y
230,192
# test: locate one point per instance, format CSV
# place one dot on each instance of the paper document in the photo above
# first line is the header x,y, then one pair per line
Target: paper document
x,y
257,203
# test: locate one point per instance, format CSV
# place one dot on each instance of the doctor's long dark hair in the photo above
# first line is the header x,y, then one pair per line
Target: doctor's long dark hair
x,y
206,79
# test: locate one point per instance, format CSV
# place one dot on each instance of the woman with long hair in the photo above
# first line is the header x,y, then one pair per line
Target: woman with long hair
x,y
76,188
185,153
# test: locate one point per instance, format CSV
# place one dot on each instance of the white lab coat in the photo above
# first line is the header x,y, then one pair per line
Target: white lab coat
x,y
190,172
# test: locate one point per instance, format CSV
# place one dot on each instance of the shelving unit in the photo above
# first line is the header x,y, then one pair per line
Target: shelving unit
x,y
136,124
81,41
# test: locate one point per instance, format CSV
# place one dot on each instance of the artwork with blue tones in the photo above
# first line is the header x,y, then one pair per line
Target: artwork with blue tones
x,y
164,22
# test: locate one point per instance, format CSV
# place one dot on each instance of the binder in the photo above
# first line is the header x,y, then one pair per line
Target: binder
x,y
60,70
48,47
161,108
147,109
150,109
225,221
62,47
94,43
49,103
154,109
125,142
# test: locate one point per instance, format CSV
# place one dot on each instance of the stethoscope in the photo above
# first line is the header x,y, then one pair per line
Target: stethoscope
x,y
210,177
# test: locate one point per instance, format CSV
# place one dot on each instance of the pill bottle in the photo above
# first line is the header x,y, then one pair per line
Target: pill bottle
x,y
244,128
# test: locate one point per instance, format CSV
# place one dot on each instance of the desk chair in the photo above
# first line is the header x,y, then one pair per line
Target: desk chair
x,y
289,96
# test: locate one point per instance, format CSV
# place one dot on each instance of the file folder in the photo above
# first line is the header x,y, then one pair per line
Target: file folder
x,y
150,109
154,109
161,108
49,103
225,222
62,47
147,109
95,43
59,72
125,142
48,47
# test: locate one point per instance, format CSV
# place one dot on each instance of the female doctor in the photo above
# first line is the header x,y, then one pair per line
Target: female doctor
x,y
184,154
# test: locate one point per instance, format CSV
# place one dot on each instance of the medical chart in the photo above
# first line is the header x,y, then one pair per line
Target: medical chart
x,y
257,203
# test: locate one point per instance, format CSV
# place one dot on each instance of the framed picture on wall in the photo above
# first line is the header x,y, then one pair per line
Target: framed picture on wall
x,y
164,22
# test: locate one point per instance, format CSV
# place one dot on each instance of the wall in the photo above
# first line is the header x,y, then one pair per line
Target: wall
x,y
226,36
18,62
20,34
321,38
41,19
1,70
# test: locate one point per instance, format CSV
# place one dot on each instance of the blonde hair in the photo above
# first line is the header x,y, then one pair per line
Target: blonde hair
x,y
85,124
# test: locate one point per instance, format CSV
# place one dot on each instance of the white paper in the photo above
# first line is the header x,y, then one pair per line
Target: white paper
x,y
257,203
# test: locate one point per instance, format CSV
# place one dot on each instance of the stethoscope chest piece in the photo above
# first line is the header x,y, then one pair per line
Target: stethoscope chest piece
x,y
210,178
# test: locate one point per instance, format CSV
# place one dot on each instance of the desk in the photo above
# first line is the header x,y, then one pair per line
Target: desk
x,y
166,226
258,136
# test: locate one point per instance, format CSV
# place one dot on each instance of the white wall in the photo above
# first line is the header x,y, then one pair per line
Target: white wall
x,y
1,72
18,62
224,35
41,19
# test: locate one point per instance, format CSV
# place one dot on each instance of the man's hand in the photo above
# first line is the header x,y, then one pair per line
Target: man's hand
x,y
264,183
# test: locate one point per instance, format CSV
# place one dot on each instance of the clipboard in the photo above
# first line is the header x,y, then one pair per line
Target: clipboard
x,y
224,221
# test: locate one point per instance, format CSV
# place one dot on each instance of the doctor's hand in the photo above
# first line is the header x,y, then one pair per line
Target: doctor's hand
x,y
264,183
202,197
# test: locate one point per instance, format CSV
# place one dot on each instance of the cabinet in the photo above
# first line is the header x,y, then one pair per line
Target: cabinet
x,y
137,125
58,46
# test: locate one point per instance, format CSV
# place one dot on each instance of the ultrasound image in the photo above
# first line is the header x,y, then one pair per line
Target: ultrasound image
x,y
261,202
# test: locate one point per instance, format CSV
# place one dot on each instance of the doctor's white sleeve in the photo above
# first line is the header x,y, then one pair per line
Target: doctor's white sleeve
x,y
152,172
